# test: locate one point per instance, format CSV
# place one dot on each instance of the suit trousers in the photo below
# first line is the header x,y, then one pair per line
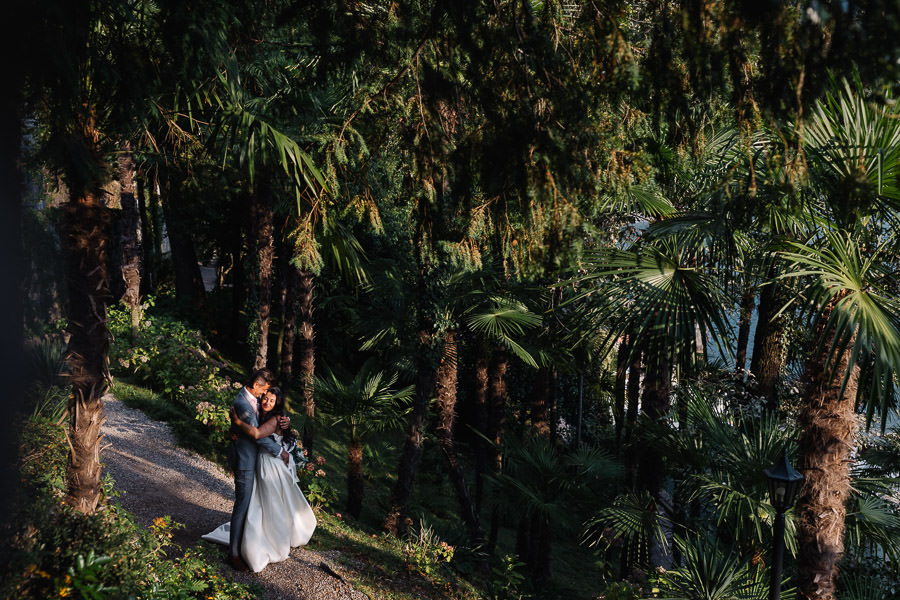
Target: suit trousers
x,y
243,489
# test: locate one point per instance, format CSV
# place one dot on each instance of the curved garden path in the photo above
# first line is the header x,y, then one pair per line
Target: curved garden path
x,y
155,478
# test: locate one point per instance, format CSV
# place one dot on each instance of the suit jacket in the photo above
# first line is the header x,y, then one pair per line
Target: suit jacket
x,y
245,448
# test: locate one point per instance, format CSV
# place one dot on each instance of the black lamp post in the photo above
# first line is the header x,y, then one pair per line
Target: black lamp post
x,y
784,483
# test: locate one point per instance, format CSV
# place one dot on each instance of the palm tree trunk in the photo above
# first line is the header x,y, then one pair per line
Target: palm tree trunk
x,y
748,303
655,405
396,519
622,357
768,343
131,238
87,240
307,351
827,433
147,260
540,401
264,235
633,389
497,408
481,422
291,282
354,477
445,390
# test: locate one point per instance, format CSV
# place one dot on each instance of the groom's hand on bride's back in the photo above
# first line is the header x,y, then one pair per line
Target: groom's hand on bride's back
x,y
284,421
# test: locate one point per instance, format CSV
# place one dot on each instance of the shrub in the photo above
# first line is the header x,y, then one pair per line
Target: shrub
x,y
424,552
313,481
175,360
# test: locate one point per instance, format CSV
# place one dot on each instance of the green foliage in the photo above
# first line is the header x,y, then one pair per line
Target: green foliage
x,y
175,360
424,552
47,356
367,403
59,552
629,525
506,579
707,572
313,481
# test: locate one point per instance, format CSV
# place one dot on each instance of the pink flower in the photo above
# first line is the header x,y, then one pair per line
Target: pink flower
x,y
320,473
310,467
320,460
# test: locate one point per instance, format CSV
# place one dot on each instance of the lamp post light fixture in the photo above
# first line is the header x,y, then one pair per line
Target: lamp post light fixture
x,y
784,483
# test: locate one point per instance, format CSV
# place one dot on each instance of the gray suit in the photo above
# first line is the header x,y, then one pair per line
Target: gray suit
x,y
242,457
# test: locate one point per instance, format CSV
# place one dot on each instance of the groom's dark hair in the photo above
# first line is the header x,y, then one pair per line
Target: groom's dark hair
x,y
262,376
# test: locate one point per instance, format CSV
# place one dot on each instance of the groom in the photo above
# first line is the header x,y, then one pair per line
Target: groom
x,y
242,457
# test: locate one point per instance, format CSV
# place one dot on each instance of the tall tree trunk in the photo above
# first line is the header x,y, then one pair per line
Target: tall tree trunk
x,y
768,343
86,232
497,406
540,400
188,281
497,428
748,303
264,235
288,320
147,260
241,279
633,391
354,477
396,520
827,433
622,359
445,389
154,212
481,421
307,352
655,405
130,226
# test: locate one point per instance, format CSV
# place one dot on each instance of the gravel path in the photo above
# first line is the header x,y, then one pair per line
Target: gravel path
x,y
158,478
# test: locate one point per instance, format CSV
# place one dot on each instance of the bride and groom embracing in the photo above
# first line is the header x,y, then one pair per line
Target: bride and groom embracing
x,y
270,514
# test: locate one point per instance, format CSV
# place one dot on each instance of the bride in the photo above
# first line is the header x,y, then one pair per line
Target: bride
x,y
279,517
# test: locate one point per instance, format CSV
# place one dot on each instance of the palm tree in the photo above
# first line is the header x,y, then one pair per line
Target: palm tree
x,y
540,484
848,266
366,404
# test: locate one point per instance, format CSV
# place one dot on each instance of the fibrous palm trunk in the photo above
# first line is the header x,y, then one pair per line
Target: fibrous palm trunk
x,y
541,399
655,405
827,432
748,303
497,428
87,239
290,284
445,389
396,520
147,259
622,359
354,477
768,343
481,421
131,238
262,221
306,348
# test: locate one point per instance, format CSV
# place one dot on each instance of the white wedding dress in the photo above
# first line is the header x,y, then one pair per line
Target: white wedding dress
x,y
279,517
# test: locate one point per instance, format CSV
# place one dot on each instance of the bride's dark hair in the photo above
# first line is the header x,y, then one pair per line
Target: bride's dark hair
x,y
279,410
